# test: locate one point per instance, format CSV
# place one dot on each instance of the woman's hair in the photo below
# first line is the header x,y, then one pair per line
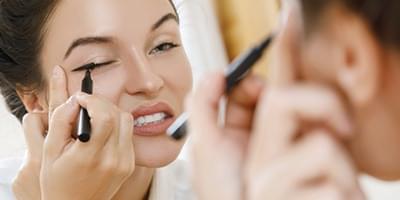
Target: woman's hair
x,y
22,29
382,16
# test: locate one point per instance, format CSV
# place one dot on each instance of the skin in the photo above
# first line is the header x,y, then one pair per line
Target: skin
x,y
141,75
329,113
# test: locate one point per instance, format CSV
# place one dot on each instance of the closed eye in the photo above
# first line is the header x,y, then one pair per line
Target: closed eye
x,y
91,66
164,47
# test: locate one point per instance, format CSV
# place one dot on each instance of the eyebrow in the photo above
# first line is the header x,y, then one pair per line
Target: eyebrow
x,y
164,19
86,41
104,40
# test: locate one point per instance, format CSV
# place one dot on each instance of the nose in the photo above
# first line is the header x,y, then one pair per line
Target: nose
x,y
141,79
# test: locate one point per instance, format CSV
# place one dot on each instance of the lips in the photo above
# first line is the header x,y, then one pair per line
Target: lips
x,y
153,120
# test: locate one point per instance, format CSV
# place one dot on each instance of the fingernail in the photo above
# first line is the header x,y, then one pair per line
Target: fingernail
x,y
72,100
57,72
81,95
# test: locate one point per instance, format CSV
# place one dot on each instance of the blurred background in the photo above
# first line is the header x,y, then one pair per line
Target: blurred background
x,y
214,32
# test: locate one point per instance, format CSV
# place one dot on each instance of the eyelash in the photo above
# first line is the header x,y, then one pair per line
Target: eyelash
x,y
166,46
92,66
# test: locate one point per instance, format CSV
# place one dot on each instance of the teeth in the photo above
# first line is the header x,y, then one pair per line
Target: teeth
x,y
150,119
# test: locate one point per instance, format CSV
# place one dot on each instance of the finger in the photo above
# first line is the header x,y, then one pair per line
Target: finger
x,y
328,160
58,89
61,128
242,102
326,191
203,105
35,127
126,142
286,51
317,157
111,145
281,113
103,119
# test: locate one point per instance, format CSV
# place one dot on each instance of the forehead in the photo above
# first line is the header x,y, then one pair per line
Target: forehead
x,y
119,18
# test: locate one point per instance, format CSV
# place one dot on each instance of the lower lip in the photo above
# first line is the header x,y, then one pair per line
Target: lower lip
x,y
155,129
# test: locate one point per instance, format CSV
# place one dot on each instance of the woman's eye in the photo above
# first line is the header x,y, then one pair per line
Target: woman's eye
x,y
163,48
93,66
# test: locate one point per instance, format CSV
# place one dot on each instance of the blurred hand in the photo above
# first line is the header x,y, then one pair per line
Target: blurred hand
x,y
296,150
218,151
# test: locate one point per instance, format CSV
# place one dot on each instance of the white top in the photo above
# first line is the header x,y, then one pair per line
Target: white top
x,y
169,183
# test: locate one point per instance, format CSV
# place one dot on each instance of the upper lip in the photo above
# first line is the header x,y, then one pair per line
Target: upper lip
x,y
152,109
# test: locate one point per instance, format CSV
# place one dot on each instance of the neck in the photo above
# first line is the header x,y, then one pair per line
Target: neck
x,y
137,186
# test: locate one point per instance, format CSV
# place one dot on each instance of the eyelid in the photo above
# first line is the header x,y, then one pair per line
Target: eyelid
x,y
93,65
173,45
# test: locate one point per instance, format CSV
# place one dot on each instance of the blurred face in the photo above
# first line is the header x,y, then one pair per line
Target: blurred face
x,y
342,53
147,73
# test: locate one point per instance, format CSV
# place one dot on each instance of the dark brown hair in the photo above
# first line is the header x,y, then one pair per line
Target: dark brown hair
x,y
383,16
22,29
22,25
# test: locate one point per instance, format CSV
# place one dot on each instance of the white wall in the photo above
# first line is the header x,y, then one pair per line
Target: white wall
x,y
11,135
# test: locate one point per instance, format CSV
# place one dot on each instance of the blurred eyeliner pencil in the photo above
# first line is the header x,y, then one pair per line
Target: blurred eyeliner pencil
x,y
236,72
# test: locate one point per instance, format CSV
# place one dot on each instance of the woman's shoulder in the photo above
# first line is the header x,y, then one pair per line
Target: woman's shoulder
x,y
8,170
172,182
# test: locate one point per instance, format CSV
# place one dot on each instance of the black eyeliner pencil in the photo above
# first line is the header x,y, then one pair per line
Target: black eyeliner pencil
x,y
84,128
236,72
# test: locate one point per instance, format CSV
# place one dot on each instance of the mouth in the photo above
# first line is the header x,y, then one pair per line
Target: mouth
x,y
153,120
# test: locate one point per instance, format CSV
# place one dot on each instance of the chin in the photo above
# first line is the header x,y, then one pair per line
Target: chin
x,y
378,164
156,152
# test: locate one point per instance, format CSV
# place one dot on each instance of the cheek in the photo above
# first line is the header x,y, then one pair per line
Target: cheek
x,y
177,74
104,84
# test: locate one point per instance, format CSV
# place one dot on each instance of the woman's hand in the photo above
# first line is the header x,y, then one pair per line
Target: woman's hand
x,y
26,184
295,151
218,151
297,147
94,170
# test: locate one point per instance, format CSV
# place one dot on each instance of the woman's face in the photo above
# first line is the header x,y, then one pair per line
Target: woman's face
x,y
342,53
149,74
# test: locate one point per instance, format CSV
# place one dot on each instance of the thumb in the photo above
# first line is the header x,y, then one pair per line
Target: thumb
x,y
58,89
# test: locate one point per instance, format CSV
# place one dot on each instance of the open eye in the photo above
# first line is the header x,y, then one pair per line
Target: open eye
x,y
163,48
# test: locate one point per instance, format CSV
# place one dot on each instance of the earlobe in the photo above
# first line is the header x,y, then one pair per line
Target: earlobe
x,y
31,101
360,71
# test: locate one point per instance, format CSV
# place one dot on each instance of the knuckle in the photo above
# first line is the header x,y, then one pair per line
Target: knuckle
x,y
126,117
109,166
105,119
16,185
327,148
125,170
333,193
85,164
58,113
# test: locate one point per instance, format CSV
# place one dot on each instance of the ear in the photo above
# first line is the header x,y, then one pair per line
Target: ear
x,y
31,101
361,59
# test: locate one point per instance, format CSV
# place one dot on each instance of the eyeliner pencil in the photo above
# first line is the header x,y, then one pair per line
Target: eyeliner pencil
x,y
84,128
236,72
